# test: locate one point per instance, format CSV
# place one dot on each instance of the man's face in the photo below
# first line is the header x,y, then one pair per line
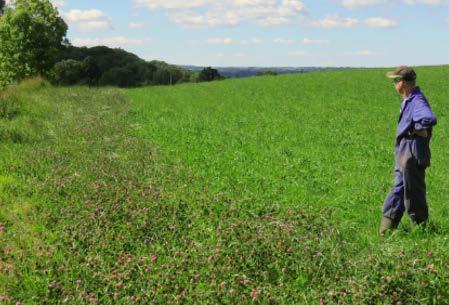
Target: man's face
x,y
398,84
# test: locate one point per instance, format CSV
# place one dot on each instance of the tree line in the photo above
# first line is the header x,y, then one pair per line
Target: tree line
x,y
33,42
104,66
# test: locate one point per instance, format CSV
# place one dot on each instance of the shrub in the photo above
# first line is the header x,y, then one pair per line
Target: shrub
x,y
121,77
167,75
91,71
68,72
209,74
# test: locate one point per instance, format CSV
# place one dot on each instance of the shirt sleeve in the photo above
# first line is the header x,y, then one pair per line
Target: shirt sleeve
x,y
423,116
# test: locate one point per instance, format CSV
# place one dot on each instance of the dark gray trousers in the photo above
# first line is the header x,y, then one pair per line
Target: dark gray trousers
x,y
409,191
408,194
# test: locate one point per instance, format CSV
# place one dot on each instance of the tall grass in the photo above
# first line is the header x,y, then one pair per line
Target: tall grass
x,y
14,128
9,104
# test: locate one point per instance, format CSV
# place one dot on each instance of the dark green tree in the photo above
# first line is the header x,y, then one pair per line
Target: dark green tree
x,y
168,75
31,35
209,74
120,77
68,72
2,5
92,72
101,68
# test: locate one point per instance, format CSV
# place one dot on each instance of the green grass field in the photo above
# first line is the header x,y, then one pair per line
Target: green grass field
x,y
265,190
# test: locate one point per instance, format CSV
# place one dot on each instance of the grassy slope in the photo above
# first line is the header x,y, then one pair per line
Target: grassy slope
x,y
321,139
262,190
314,140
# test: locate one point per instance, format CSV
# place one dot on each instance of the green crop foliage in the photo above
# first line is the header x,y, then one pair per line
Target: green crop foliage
x,y
263,190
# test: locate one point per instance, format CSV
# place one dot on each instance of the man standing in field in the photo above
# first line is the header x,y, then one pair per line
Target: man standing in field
x,y
412,153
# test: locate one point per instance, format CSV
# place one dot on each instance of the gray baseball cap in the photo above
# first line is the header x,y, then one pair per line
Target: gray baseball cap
x,y
403,72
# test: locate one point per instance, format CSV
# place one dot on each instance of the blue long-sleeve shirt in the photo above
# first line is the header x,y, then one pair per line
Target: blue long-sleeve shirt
x,y
416,114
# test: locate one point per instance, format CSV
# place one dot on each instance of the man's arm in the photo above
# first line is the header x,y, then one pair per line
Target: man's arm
x,y
421,133
423,117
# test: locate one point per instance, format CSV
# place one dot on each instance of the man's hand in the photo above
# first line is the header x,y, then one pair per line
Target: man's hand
x,y
421,133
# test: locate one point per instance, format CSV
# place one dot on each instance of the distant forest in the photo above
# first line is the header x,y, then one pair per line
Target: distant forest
x,y
240,72
103,66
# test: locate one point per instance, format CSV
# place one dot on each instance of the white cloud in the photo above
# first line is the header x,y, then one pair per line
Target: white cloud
x,y
361,3
88,20
94,25
54,2
225,41
114,42
171,4
381,23
230,41
210,19
182,4
332,22
58,3
253,2
427,2
314,41
296,53
284,41
306,41
212,13
87,15
251,42
273,21
364,53
136,25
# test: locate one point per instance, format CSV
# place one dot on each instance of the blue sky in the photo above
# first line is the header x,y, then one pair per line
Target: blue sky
x,y
368,33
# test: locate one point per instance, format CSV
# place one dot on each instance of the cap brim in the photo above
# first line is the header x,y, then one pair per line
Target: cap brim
x,y
393,75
